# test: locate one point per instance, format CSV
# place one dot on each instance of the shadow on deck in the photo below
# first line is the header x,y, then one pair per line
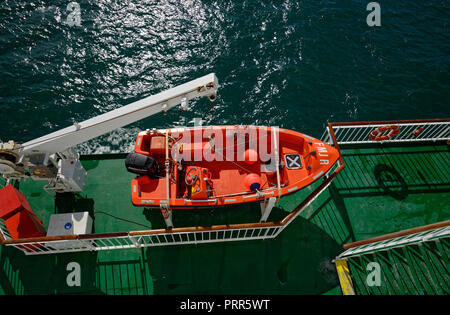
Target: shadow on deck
x,y
382,191
298,261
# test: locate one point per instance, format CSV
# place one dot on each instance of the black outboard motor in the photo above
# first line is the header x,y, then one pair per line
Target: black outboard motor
x,y
142,164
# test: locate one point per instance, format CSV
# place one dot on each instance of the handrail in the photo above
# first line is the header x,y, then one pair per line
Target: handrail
x,y
385,122
408,131
431,232
385,237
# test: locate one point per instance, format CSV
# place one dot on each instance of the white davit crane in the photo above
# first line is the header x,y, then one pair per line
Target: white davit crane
x,y
53,158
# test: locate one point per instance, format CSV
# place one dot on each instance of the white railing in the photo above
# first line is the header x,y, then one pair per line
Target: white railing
x,y
145,239
409,131
401,241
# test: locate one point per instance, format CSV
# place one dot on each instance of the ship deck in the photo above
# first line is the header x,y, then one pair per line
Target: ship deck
x,y
380,190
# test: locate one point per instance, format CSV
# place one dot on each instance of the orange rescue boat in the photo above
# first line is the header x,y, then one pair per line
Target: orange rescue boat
x,y
205,167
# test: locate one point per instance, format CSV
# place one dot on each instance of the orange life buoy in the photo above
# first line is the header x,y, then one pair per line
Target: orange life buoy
x,y
252,182
376,134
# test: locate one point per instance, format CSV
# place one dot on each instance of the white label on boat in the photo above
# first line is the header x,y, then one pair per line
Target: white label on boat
x,y
230,200
147,202
292,188
322,151
318,174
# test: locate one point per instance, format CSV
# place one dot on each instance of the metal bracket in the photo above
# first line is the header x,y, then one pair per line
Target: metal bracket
x,y
266,208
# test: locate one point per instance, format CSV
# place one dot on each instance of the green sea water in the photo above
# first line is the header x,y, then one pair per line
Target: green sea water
x,y
292,64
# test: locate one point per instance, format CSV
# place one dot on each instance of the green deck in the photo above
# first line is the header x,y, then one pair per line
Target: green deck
x,y
413,269
381,190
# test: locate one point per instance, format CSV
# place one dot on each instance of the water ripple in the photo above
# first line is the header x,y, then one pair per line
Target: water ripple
x,y
295,64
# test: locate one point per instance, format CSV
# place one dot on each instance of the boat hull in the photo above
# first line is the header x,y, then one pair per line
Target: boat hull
x,y
231,159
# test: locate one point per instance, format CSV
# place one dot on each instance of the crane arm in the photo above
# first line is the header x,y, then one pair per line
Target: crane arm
x,y
65,138
52,157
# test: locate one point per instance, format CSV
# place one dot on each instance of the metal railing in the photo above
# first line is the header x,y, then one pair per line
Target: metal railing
x,y
400,239
138,239
409,131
